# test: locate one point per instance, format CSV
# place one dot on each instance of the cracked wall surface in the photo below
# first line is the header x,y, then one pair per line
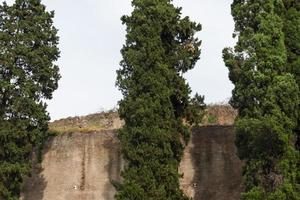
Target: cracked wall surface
x,y
81,166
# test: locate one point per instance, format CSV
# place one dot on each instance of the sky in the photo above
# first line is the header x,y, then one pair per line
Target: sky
x,y
92,35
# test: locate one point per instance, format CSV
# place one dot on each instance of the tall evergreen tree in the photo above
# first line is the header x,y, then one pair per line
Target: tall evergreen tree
x,y
160,47
291,18
266,96
28,48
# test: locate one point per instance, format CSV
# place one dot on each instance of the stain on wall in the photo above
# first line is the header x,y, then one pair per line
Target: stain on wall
x,y
76,166
81,166
211,168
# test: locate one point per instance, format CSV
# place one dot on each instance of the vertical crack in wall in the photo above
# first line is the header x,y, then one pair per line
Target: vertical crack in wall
x,y
83,170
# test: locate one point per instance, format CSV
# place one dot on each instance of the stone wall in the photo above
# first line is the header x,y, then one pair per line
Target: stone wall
x,y
211,169
76,166
80,166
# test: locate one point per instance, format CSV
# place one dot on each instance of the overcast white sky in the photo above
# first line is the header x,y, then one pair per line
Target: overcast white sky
x,y
91,36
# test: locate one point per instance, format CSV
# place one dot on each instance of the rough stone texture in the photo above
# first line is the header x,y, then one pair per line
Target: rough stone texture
x,y
76,166
80,166
211,168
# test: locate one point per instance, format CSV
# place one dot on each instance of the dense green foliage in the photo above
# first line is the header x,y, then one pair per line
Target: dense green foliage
x,y
291,19
160,47
266,95
28,47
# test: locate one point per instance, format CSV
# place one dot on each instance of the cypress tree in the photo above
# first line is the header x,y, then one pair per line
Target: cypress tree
x,y
291,17
28,76
291,29
160,47
266,96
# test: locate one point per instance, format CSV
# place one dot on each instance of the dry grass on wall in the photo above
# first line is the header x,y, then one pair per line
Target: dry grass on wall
x,y
216,114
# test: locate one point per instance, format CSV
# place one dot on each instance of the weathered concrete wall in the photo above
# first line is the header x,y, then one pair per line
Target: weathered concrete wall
x,y
79,166
211,169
